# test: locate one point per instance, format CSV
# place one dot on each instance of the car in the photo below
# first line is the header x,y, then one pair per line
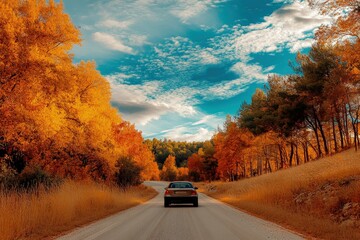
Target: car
x,y
180,192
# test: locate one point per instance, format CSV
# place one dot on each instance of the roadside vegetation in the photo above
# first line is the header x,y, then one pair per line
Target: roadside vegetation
x,y
41,213
320,199
66,155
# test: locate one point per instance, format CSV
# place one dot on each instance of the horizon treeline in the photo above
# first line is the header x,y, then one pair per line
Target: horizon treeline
x,y
55,116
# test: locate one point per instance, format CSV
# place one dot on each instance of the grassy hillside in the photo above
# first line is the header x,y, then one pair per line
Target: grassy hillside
x,y
320,199
42,214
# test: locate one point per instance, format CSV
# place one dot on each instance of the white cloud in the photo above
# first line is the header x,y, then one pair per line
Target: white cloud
x,y
187,9
111,42
291,27
283,1
252,71
111,23
227,89
142,103
209,120
203,120
269,69
298,45
137,40
207,58
185,134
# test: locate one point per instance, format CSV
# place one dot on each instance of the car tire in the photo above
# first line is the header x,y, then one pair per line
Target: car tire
x,y
166,203
196,203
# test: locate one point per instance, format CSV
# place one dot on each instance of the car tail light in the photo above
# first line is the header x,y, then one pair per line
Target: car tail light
x,y
193,192
168,192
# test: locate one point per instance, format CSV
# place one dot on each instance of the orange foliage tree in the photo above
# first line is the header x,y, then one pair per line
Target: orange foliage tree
x,y
183,173
169,171
230,146
57,114
130,143
196,167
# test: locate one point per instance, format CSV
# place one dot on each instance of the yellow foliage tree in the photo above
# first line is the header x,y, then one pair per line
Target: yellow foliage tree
x,y
169,171
57,113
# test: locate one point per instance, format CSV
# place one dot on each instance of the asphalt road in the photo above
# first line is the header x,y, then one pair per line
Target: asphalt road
x,y
211,220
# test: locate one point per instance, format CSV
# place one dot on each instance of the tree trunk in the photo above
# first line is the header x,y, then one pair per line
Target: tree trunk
x,y
346,127
291,154
326,149
355,126
281,157
306,152
297,155
315,128
251,168
341,131
334,135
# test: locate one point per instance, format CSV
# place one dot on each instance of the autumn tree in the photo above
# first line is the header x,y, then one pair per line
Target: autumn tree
x,y
343,34
196,167
183,174
229,150
55,114
169,170
130,143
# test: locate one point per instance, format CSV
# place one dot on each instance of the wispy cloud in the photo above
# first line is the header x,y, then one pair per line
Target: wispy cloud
x,y
186,134
111,23
187,9
290,27
253,71
148,101
112,43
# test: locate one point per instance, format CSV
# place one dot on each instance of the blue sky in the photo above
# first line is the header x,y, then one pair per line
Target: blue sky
x,y
178,67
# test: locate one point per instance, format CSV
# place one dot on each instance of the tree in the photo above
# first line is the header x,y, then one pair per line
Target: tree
x,y
252,116
183,174
130,143
229,150
169,170
128,173
196,168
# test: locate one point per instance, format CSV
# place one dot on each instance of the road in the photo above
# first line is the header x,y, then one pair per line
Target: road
x,y
151,221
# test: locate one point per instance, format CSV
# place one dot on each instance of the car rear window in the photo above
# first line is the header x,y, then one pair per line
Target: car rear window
x,y
180,185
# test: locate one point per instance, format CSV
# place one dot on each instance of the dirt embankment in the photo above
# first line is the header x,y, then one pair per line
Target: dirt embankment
x,y
320,199
338,199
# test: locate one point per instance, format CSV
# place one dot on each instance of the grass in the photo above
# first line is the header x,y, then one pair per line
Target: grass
x,y
44,214
308,198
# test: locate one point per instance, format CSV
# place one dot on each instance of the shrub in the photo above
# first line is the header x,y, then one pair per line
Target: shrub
x,y
128,173
31,179
34,177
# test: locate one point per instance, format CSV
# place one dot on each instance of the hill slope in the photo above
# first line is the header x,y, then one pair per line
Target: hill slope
x,y
320,198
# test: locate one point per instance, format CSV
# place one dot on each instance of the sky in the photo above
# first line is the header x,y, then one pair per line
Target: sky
x,y
178,67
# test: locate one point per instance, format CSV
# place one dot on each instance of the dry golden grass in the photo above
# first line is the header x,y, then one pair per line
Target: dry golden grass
x,y
46,214
272,196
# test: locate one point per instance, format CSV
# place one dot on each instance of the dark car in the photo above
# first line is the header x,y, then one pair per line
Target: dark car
x,y
180,192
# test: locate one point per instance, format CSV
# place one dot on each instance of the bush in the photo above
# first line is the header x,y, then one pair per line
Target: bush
x,y
34,177
128,173
31,179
